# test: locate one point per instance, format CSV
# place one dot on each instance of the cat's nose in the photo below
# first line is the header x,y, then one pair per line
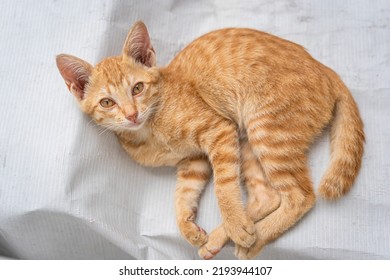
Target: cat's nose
x,y
132,117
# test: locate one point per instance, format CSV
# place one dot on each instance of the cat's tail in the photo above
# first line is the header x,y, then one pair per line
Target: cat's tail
x,y
346,140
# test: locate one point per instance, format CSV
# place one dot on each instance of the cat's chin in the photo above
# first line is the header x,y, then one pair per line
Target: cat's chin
x,y
133,126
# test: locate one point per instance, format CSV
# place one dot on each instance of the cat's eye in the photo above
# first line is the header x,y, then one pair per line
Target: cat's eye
x,y
138,88
107,103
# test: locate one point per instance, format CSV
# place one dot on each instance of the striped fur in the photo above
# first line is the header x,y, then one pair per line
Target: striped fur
x,y
228,85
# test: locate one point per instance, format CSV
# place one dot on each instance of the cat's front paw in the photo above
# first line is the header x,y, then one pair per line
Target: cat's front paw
x,y
217,239
241,231
193,233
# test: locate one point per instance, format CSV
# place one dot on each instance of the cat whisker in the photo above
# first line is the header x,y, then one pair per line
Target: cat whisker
x,y
102,132
106,128
92,123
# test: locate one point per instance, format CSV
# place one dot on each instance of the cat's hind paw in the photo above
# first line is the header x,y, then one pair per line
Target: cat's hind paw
x,y
250,252
242,232
243,253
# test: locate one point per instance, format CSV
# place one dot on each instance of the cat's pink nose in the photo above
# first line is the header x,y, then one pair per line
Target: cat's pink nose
x,y
132,117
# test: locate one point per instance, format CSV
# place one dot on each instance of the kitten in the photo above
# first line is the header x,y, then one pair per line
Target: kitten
x,y
235,101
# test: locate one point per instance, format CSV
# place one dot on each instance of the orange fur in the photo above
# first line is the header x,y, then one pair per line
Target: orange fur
x,y
228,85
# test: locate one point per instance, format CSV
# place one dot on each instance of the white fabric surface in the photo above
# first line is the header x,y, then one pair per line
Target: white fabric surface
x,y
68,191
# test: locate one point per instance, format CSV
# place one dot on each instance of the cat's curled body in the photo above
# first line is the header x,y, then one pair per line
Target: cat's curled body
x,y
234,102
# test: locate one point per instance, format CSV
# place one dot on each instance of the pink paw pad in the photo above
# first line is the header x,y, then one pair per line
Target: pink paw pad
x,y
200,229
208,256
211,253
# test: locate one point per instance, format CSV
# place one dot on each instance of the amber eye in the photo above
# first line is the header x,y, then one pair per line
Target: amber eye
x,y
138,88
107,103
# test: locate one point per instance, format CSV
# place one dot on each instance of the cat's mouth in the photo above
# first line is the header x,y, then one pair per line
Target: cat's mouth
x,y
137,124
134,124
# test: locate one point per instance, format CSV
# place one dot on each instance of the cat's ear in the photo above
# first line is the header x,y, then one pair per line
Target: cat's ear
x,y
138,45
76,73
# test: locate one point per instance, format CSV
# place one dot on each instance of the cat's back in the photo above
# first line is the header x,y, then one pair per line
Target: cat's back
x,y
235,67
230,51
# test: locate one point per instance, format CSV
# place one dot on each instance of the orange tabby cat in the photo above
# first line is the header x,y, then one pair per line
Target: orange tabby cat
x,y
235,101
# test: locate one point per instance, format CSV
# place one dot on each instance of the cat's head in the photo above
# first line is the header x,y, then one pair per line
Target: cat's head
x,y
120,92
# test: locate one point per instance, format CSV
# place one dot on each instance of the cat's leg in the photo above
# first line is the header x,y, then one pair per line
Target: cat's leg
x,y
280,147
297,198
262,200
222,146
192,176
